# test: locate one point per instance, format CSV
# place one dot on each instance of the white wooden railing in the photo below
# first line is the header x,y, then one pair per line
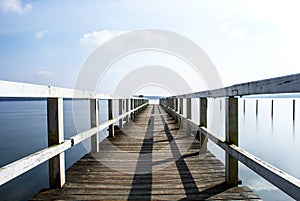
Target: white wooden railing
x,y
57,144
233,153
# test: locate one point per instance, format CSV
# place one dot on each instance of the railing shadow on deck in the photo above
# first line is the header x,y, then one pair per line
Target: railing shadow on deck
x,y
142,181
129,107
286,84
173,105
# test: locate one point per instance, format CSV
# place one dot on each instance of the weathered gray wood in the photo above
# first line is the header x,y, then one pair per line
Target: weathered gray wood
x,y
203,122
25,164
86,134
131,108
134,106
231,133
287,183
279,178
94,107
188,108
256,107
111,131
176,109
181,106
17,89
120,112
55,137
189,178
127,110
272,108
294,107
188,113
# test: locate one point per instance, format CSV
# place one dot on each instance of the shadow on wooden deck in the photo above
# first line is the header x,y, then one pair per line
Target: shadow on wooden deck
x,y
163,168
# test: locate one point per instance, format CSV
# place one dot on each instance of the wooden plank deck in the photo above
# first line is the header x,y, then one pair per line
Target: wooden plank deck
x,y
151,158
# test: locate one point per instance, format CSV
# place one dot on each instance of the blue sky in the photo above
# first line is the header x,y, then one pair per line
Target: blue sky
x,y
47,42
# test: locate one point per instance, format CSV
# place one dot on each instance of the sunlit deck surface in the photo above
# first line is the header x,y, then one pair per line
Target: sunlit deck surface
x,y
151,158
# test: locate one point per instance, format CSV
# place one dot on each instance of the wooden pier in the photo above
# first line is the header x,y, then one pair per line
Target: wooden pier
x,y
154,154
152,143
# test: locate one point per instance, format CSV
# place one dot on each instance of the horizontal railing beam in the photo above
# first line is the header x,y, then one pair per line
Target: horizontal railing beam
x,y
24,90
15,169
86,134
25,164
284,84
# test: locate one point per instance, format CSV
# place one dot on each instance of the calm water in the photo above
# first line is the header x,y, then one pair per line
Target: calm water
x,y
277,141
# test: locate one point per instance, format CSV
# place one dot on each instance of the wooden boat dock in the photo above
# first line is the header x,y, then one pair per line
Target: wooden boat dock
x,y
156,153
155,166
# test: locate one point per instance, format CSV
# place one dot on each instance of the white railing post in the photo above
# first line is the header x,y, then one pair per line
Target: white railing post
x,y
181,106
127,110
231,132
57,176
94,111
121,112
131,108
134,106
189,113
203,122
176,109
111,116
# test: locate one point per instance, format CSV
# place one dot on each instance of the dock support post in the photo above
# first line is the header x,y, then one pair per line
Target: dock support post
x,y
121,112
188,113
111,132
231,132
181,107
294,106
94,123
256,107
203,122
176,109
169,107
272,108
127,110
134,106
131,108
57,176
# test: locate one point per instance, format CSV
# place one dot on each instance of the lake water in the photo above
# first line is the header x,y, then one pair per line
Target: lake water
x,y
277,141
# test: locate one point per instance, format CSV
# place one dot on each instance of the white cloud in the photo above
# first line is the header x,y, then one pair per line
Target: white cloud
x,y
42,33
15,6
45,73
97,38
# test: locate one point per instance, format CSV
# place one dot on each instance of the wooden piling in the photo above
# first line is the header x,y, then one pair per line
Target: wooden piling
x,y
256,107
272,108
294,107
